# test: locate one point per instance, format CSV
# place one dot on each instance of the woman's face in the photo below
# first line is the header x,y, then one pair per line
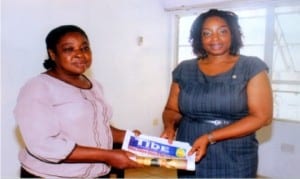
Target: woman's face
x,y
216,36
73,54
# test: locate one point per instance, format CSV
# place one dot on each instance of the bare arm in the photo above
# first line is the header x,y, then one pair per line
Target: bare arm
x,y
260,105
118,134
116,158
171,113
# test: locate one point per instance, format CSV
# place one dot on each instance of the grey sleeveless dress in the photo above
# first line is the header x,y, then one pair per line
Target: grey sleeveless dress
x,y
210,102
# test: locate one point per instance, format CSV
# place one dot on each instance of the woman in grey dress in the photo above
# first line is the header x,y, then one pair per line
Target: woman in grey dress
x,y
219,100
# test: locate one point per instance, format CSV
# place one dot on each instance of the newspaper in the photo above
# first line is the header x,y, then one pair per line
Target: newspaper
x,y
156,151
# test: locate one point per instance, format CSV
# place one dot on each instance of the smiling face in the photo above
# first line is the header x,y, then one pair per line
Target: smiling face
x,y
216,36
73,55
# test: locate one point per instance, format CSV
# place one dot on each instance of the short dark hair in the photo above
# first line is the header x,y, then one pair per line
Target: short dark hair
x,y
230,18
53,39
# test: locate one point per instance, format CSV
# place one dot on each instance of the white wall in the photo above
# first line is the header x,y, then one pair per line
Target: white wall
x,y
135,78
279,150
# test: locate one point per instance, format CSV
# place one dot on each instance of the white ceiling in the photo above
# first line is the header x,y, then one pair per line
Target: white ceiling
x,y
172,4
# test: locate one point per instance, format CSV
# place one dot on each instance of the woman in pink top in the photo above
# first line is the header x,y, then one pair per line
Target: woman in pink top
x,y
64,118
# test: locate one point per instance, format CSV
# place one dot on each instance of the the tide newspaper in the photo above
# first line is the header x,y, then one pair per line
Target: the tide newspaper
x,y
156,151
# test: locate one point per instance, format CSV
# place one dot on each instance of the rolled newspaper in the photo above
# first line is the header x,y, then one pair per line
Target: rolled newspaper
x,y
156,151
164,162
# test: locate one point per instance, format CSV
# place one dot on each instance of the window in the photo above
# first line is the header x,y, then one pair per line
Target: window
x,y
272,34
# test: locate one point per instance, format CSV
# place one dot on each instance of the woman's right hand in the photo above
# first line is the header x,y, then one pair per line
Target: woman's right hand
x,y
121,159
168,134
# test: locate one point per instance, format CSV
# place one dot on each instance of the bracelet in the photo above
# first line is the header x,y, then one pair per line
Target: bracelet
x,y
211,138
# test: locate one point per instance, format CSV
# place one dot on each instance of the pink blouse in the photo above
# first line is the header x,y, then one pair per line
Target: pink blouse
x,y
53,116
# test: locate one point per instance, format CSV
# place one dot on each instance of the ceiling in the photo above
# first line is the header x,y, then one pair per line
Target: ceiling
x,y
173,4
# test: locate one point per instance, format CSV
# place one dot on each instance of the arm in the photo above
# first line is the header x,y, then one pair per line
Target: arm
x,y
116,158
260,114
118,134
171,113
260,111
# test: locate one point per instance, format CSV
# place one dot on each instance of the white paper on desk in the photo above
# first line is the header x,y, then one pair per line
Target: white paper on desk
x,y
156,151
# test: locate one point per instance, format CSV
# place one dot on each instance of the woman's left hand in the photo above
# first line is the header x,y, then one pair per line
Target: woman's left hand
x,y
136,132
199,147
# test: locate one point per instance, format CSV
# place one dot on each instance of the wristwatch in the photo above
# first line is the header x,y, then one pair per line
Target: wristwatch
x,y
211,138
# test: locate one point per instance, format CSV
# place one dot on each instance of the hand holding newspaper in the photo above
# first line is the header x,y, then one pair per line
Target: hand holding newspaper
x,y
156,151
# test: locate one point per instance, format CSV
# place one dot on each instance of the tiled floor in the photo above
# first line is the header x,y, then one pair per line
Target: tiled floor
x,y
150,172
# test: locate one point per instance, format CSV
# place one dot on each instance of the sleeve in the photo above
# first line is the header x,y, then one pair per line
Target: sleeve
x,y
176,74
39,126
255,66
